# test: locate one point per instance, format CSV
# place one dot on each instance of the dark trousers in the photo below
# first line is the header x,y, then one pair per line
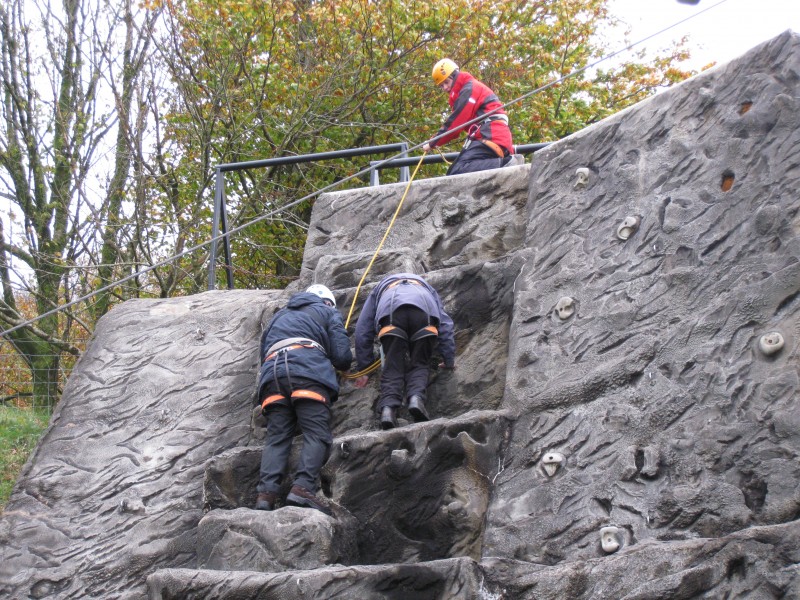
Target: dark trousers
x,y
405,364
478,157
314,420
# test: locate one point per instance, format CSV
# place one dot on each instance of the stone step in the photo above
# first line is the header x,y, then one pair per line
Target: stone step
x,y
289,538
452,579
412,494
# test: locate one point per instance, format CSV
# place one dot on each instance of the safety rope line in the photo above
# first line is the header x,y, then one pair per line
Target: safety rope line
x,y
444,160
377,363
335,184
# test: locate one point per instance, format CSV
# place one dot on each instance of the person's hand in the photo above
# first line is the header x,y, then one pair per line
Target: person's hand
x,y
426,147
361,382
447,367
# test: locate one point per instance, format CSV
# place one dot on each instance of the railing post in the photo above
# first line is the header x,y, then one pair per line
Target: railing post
x,y
405,175
226,242
374,175
212,256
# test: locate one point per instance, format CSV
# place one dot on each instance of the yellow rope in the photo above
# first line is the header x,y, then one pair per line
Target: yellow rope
x,y
377,363
447,162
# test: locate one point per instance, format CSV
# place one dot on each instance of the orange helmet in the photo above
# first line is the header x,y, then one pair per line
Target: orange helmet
x,y
443,69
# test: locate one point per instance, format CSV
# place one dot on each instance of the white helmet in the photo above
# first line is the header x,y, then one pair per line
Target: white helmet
x,y
323,292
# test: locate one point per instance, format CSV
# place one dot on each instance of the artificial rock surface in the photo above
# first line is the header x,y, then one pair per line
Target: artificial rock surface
x,y
617,306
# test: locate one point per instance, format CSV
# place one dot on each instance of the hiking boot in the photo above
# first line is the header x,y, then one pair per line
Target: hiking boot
x,y
416,408
266,500
300,496
388,418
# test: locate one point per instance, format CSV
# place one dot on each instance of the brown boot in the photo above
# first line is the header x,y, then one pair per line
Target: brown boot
x,y
300,496
266,500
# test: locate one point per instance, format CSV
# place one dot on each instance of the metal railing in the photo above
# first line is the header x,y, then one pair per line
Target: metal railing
x,y
220,225
431,159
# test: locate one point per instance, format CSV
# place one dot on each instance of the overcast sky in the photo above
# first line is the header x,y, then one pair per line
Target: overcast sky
x,y
720,34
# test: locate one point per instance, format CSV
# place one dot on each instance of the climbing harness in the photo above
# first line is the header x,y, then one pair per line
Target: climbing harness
x,y
291,344
282,349
394,330
295,395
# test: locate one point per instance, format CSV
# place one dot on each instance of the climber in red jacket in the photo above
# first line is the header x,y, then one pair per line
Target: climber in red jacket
x,y
488,144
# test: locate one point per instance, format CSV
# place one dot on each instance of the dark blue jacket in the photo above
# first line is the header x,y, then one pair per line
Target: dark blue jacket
x,y
381,302
306,315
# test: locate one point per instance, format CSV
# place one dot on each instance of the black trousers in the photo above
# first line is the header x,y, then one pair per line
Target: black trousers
x,y
283,417
478,157
406,364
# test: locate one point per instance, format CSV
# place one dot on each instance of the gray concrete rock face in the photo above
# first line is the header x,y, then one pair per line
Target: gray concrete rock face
x,y
622,421
672,421
115,485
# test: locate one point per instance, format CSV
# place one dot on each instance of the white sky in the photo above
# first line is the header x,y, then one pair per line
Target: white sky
x,y
720,34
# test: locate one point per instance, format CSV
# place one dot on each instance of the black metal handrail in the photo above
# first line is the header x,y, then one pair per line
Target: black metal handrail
x,y
432,159
220,225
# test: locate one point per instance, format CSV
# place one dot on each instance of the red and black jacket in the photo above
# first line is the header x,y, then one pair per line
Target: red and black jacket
x,y
469,99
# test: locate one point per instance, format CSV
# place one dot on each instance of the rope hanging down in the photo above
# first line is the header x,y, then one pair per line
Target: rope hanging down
x,y
377,363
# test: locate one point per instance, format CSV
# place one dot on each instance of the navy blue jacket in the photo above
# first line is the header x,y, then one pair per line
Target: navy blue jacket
x,y
382,302
306,315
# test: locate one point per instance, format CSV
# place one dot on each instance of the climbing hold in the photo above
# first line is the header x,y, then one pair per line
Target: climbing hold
x,y
583,177
770,343
399,463
610,539
565,307
134,506
551,462
344,450
727,181
650,462
628,227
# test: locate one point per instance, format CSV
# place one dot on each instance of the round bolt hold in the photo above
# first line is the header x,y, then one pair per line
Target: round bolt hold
x,y
551,462
583,177
628,227
565,307
344,450
609,539
770,343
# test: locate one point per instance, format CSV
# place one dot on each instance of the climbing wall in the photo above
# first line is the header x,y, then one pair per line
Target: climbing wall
x,y
622,421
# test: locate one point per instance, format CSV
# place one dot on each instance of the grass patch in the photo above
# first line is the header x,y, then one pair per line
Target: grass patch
x,y
20,429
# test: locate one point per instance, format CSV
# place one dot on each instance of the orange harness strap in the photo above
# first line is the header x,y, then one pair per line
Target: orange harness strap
x,y
495,147
399,281
308,394
391,330
270,399
295,395
429,331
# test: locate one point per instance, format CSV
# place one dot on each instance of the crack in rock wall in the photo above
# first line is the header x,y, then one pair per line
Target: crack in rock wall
x,y
622,421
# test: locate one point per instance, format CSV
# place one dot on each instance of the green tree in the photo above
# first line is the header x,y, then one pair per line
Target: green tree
x,y
58,70
277,77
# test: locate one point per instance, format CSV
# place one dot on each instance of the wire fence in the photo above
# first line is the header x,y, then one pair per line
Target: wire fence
x,y
17,389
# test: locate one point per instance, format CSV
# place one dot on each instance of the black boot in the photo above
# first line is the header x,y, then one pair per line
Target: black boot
x,y
416,408
388,418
